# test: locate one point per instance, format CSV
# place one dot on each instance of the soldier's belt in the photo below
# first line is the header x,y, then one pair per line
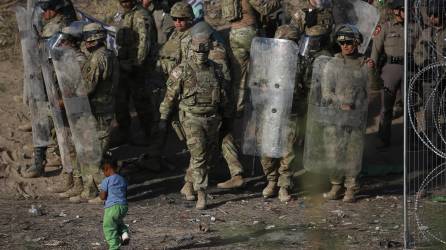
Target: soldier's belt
x,y
395,60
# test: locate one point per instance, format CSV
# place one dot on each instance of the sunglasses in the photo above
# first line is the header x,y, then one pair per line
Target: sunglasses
x,y
179,19
345,42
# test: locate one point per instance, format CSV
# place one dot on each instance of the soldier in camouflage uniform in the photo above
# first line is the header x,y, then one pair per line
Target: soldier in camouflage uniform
x,y
100,73
242,16
176,49
54,21
198,86
348,38
137,39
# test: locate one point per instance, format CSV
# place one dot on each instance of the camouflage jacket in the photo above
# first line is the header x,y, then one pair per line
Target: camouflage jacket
x,y
100,74
142,35
242,13
308,19
176,49
56,24
197,90
343,83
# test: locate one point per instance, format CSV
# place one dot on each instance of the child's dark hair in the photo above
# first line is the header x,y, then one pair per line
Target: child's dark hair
x,y
109,159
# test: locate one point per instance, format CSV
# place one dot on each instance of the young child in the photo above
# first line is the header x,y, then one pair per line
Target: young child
x,y
113,190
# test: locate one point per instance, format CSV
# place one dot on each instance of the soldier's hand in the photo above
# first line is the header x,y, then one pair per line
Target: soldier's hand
x,y
370,63
61,104
346,107
162,125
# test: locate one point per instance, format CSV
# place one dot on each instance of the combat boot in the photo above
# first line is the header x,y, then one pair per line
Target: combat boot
x,y
201,201
234,182
352,187
76,190
63,186
349,196
284,195
188,191
270,189
335,192
89,191
36,170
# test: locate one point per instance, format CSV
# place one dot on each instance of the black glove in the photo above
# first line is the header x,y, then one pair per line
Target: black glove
x,y
162,125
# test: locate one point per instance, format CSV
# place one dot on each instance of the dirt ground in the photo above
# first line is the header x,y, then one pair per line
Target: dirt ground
x,y
160,219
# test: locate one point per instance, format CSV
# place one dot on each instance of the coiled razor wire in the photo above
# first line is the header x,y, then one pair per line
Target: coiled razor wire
x,y
410,102
437,102
429,178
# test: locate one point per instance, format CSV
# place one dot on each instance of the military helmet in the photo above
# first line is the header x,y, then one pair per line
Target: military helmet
x,y
182,10
51,4
396,4
348,32
93,31
200,43
288,32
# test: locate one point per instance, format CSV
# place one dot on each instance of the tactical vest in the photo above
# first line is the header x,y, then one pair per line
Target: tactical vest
x,y
231,10
126,39
201,90
175,50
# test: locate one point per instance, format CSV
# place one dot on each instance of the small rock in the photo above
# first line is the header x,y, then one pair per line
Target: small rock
x,y
134,221
423,228
378,197
269,227
377,228
78,217
396,227
282,216
35,211
62,214
95,244
255,222
213,219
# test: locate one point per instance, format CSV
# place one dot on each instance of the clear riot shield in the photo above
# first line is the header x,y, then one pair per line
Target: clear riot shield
x,y
271,83
337,117
359,13
82,123
57,113
33,83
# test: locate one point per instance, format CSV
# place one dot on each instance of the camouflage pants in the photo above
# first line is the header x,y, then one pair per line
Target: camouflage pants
x,y
133,85
201,139
104,131
343,149
282,173
240,44
230,153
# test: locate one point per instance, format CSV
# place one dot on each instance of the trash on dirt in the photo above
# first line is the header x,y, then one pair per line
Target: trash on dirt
x,y
35,211
78,217
134,221
269,227
95,244
255,222
62,214
213,219
390,244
